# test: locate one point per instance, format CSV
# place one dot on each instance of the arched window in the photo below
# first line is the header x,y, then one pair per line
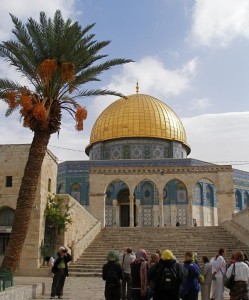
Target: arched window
x,y
175,192
6,216
60,188
198,194
181,193
75,191
209,195
246,200
238,200
146,192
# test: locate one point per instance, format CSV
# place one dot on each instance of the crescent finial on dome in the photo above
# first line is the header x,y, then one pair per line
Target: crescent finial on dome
x,y
137,87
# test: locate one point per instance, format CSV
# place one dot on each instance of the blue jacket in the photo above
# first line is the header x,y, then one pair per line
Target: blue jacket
x,y
191,283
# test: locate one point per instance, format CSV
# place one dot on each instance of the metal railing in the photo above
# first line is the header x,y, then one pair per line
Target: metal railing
x,y
6,280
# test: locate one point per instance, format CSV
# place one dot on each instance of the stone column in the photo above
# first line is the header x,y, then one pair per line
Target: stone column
x,y
114,213
131,197
190,208
161,211
138,212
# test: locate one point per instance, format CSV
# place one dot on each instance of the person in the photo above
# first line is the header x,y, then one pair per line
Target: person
x,y
112,274
167,276
60,270
239,290
191,286
177,224
219,274
206,271
50,263
213,262
139,276
154,260
246,260
126,258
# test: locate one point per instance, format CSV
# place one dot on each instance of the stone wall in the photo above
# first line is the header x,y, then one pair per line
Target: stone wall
x,y
220,176
83,229
13,159
239,226
242,218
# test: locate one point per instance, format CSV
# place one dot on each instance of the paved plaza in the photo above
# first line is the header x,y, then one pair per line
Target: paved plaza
x,y
83,288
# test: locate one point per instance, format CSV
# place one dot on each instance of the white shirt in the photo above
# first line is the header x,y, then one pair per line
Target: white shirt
x,y
128,259
241,271
220,267
213,263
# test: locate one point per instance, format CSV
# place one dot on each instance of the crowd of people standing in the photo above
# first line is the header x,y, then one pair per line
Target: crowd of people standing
x,y
136,276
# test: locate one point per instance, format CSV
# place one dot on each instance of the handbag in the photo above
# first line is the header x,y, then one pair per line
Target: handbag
x,y
229,282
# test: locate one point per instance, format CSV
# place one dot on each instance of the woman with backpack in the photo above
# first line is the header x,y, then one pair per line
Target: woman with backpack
x,y
191,285
112,274
167,276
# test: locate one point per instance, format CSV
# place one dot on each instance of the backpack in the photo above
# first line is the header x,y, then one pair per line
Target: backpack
x,y
112,280
168,279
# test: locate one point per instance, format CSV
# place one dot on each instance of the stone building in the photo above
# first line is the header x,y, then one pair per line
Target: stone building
x,y
13,159
139,173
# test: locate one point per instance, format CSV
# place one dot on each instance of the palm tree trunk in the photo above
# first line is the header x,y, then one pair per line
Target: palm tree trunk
x,y
25,200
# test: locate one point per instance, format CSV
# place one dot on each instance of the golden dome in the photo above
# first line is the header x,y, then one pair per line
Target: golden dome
x,y
138,116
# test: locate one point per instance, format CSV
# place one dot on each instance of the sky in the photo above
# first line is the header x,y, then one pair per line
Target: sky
x,y
193,55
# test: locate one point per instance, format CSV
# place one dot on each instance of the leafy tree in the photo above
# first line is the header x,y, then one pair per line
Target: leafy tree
x,y
58,57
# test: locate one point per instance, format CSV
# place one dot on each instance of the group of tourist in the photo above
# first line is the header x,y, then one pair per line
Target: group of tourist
x,y
136,277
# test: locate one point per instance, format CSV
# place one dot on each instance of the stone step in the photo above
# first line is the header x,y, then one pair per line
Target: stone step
x,y
203,240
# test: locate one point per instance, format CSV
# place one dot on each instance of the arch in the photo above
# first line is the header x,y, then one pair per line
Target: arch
x,y
113,189
238,200
146,191
207,190
75,191
198,194
6,216
246,199
60,187
175,192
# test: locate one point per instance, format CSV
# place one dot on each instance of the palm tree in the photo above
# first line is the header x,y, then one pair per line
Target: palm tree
x,y
57,57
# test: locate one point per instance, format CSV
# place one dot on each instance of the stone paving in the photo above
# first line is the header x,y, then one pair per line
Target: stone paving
x,y
76,288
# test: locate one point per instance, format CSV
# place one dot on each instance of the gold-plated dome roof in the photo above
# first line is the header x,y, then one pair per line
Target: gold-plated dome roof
x,y
138,116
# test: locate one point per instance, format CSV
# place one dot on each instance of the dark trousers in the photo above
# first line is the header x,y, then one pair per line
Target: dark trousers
x,y
112,293
136,295
126,287
193,295
58,283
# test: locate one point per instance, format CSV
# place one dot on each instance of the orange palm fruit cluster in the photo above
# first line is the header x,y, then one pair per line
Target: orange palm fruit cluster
x,y
67,72
47,68
80,116
40,112
10,98
26,103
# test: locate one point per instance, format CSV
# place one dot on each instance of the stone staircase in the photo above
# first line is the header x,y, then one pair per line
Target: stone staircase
x,y
203,240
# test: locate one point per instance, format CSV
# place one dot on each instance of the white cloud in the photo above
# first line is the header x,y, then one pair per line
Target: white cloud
x,y
219,137
217,23
154,79
30,8
199,104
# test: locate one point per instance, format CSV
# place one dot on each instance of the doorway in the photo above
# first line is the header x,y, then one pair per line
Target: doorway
x,y
124,205
125,215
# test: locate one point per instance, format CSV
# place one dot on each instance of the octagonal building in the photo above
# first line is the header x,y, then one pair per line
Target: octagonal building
x,y
139,173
